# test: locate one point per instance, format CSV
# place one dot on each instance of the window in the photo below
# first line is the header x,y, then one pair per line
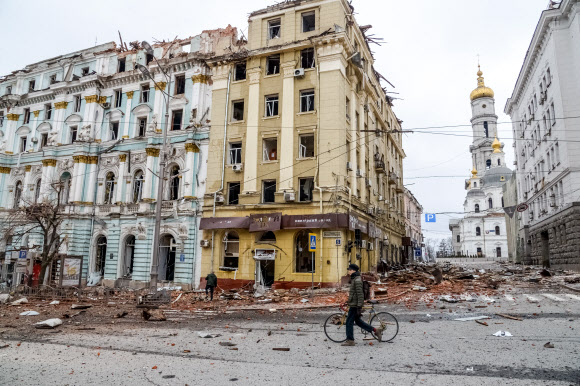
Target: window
x,y
476,208
308,21
174,186
141,127
499,162
307,58
347,107
238,110
306,146
304,262
497,231
8,90
23,141
486,129
490,203
129,257
148,59
478,231
118,98
180,84
233,193
268,237
113,129
306,101
73,133
553,114
31,85
274,29
1,118
549,78
17,194
498,251
557,153
240,71
270,149
235,153
268,190
306,187
488,164
144,98
231,243
101,256
121,65
109,188
479,252
138,186
26,116
176,120
43,140
37,191
271,105
52,79
65,180
84,71
77,103
475,184
458,238
47,111
273,65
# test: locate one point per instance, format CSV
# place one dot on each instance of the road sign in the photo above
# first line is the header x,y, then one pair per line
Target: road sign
x,y
522,207
429,217
338,242
417,252
22,254
312,243
182,257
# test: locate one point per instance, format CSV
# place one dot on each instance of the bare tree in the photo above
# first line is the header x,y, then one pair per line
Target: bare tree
x,y
430,245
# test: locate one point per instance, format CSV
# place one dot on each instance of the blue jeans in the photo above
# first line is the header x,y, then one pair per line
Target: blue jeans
x,y
354,318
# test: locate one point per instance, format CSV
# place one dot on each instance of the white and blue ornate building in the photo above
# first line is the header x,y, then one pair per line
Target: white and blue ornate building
x,y
93,121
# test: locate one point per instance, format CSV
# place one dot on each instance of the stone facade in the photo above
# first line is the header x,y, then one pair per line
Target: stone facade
x,y
413,216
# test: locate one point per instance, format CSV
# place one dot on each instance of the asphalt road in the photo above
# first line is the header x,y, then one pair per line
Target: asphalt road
x,y
431,348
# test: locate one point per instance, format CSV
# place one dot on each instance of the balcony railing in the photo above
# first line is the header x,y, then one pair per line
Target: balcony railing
x,y
393,177
379,166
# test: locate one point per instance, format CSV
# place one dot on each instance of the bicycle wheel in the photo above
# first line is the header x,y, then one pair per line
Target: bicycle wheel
x,y
389,324
335,327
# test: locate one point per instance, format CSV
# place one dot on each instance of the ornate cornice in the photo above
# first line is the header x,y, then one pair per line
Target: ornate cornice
x,y
200,78
12,117
91,98
49,162
5,170
76,159
122,157
130,94
160,86
60,105
83,159
152,152
191,148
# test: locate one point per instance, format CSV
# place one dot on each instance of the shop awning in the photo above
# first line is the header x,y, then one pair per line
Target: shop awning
x,y
316,221
225,223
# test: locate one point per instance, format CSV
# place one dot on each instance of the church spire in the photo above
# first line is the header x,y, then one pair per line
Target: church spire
x,y
481,91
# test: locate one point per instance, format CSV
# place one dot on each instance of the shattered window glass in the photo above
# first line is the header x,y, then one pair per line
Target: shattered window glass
x,y
274,29
308,21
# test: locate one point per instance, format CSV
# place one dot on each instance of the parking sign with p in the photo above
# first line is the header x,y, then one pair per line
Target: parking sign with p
x,y
430,217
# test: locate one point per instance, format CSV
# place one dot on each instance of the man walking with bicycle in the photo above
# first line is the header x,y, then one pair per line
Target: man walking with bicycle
x,y
355,304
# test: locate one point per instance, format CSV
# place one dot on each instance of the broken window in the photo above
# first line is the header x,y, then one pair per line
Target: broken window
x,y
144,93
109,188
306,146
8,90
137,186
174,185
141,127
307,58
233,193
306,187
231,243
26,116
347,106
458,238
31,85
308,21
148,59
268,190
37,190
121,65
273,65
274,29
304,262
1,118
43,140
47,111
77,103
498,251
238,110
84,71
176,120
52,79
114,130
73,133
306,101
270,149
488,164
486,129
23,141
180,84
271,105
118,98
235,153
17,194
240,71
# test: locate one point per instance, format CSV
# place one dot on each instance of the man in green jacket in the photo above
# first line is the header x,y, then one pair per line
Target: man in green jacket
x,y
210,283
355,303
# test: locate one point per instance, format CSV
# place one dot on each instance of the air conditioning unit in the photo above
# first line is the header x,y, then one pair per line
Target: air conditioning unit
x,y
552,205
299,72
289,196
34,140
358,173
238,168
368,182
349,166
106,105
370,246
220,199
371,210
363,244
204,243
381,198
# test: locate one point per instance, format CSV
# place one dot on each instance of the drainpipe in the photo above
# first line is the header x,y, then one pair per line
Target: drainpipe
x,y
223,164
193,284
317,174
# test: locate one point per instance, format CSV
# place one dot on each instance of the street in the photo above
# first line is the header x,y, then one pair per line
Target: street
x,y
431,349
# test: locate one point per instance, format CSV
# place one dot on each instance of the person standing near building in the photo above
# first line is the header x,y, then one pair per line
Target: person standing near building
x,y
355,303
210,284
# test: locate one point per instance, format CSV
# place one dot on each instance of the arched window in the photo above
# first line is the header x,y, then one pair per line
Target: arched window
x,y
174,186
488,164
475,184
129,257
138,186
37,191
65,180
268,237
304,262
101,256
498,251
490,202
497,231
109,188
476,208
478,231
17,194
231,244
458,238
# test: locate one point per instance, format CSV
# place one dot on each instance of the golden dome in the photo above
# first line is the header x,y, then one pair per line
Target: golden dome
x,y
474,173
481,91
496,145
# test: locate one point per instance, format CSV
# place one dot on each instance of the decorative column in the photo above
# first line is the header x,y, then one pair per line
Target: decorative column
x,y
121,178
158,109
4,177
353,138
188,181
59,113
128,106
251,147
12,123
90,112
48,167
200,82
92,179
361,145
33,131
152,161
288,156
77,183
27,186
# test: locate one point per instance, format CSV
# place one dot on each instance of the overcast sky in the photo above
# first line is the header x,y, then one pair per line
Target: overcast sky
x,y
429,53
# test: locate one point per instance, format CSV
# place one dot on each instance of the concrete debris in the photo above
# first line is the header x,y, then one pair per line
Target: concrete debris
x,y
502,333
281,349
304,300
29,313
509,317
549,345
154,315
80,306
448,299
227,344
207,335
121,314
472,318
19,302
50,323
273,310
4,298
54,303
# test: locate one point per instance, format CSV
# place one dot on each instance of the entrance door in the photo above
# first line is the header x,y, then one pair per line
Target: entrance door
x,y
167,251
546,249
265,273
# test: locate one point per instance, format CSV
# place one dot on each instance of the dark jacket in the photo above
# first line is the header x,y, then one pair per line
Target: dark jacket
x,y
356,296
211,280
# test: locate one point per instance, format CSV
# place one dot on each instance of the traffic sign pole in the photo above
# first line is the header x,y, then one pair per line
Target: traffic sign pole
x,y
312,248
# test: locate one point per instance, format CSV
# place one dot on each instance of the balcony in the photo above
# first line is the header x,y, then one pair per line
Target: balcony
x,y
379,166
393,177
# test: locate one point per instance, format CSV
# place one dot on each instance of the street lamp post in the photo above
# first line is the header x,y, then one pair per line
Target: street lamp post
x,y
162,165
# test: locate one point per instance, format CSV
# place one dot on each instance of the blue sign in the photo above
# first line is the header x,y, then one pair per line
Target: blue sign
x,y
182,257
22,254
429,217
417,252
338,242
312,243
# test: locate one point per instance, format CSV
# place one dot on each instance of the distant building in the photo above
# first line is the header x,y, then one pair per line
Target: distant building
x,y
482,230
545,109
413,215
512,218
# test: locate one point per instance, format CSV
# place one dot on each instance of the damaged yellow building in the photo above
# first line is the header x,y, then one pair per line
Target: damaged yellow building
x,y
303,141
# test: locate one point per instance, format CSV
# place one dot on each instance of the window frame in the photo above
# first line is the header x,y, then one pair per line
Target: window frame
x,y
478,231
26,117
233,117
23,143
113,130
303,15
272,27
234,185
179,88
301,182
268,197
235,256
138,183
31,85
145,93
47,111
304,96
174,113
118,96
274,101
236,151
275,69
303,154
267,151
237,66
77,101
305,58
121,65
141,127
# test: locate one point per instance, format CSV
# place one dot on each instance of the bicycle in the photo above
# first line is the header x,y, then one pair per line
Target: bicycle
x,y
335,324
